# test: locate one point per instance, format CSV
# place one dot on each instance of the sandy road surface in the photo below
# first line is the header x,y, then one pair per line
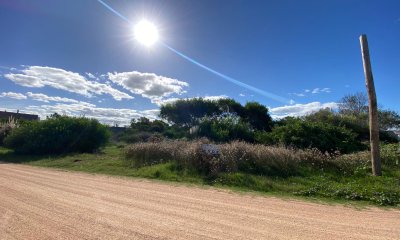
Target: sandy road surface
x,y
37,203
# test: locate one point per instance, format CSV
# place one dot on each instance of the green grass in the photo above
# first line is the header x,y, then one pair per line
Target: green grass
x,y
312,184
109,161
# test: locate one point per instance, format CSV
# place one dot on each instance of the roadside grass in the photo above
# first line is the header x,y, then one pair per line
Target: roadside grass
x,y
360,189
109,161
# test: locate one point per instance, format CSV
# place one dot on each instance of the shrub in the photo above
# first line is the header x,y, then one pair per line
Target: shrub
x,y
358,125
390,154
305,134
226,129
58,135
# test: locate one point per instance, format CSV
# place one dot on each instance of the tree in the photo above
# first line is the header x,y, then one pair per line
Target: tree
x,y
228,106
257,115
354,104
389,119
144,124
188,112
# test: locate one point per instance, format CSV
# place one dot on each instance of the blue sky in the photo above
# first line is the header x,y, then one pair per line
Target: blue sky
x,y
77,57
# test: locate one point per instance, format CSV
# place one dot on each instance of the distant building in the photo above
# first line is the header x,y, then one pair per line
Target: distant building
x,y
17,115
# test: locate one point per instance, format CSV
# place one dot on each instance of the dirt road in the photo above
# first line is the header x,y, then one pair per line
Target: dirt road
x,y
37,203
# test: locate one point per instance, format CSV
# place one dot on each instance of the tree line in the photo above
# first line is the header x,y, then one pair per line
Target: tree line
x,y
224,120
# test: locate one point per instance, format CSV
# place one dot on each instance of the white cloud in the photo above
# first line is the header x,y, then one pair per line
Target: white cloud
x,y
161,101
241,95
313,91
213,98
148,85
298,94
44,98
90,75
300,109
38,97
102,76
37,77
321,90
105,115
13,95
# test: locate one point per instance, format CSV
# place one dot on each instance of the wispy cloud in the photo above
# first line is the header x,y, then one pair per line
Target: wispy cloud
x,y
305,92
298,94
13,95
44,98
320,90
90,75
38,97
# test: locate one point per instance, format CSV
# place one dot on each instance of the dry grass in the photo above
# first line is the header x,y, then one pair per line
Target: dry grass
x,y
6,127
238,156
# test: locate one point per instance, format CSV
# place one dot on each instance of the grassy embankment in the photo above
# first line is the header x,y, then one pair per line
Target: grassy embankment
x,y
308,182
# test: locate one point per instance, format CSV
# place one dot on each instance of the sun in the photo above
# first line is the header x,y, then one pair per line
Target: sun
x,y
146,33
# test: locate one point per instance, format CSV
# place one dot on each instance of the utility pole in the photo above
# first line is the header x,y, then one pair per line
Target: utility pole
x,y
373,108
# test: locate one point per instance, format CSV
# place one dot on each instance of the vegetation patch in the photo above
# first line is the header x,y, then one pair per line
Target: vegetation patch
x,y
325,180
58,135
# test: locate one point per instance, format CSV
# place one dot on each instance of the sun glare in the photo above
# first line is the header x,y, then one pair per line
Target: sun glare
x,y
146,33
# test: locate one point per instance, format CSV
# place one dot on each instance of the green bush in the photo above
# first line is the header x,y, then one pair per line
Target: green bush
x,y
390,154
225,129
305,134
358,125
58,135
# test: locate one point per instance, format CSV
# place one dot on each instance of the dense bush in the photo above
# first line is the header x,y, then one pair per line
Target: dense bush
x,y
225,129
144,130
306,134
357,124
58,135
390,154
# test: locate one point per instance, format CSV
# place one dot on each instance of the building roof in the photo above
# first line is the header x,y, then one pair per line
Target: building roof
x,y
18,115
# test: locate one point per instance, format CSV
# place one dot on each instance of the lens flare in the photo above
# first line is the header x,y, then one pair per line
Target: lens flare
x,y
147,34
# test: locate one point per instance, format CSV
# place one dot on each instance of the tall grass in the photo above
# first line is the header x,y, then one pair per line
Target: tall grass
x,y
238,157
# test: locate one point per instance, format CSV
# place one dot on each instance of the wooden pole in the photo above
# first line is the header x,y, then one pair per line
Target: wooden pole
x,y
373,108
